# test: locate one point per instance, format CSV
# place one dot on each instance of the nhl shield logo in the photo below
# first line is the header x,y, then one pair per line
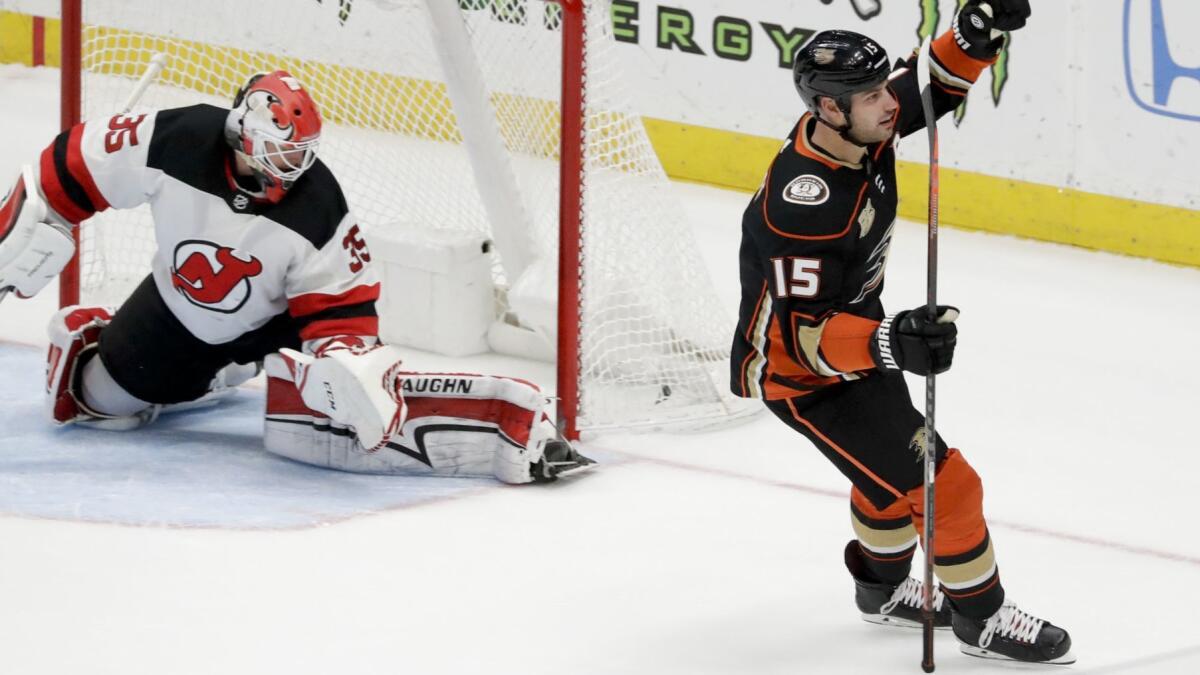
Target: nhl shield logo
x,y
214,277
240,202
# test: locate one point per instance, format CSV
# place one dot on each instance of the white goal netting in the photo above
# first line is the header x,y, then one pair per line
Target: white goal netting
x,y
654,342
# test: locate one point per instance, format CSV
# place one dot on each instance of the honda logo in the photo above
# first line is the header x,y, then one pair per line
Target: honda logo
x,y
1163,75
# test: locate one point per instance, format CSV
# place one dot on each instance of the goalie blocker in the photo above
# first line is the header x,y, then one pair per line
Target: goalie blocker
x,y
445,424
33,250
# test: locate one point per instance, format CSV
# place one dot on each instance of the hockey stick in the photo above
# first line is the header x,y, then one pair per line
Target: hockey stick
x,y
931,293
157,63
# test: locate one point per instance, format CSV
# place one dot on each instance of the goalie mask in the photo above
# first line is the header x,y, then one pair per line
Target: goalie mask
x,y
274,127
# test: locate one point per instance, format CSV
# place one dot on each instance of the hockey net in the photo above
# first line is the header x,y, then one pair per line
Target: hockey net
x,y
652,342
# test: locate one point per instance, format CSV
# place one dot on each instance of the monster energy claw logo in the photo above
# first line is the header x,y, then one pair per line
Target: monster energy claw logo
x,y
931,15
344,7
865,9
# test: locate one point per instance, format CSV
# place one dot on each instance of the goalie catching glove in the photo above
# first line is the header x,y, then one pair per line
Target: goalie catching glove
x,y
353,384
32,251
911,341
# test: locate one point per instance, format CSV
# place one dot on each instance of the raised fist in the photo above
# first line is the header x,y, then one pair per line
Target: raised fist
x,y
1008,14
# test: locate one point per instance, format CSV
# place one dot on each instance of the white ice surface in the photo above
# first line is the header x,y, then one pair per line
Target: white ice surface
x,y
1073,394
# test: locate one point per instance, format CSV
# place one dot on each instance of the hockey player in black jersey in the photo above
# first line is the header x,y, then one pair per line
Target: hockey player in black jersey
x,y
259,260
815,343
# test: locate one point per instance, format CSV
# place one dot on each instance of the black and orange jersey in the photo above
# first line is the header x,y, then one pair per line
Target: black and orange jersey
x,y
814,247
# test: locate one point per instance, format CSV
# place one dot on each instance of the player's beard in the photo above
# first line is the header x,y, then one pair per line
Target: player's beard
x,y
879,133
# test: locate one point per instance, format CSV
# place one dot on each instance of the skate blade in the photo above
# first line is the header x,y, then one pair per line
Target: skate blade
x,y
573,470
896,622
971,650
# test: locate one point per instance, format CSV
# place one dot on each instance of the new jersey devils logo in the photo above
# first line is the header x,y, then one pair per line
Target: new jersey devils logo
x,y
265,100
213,277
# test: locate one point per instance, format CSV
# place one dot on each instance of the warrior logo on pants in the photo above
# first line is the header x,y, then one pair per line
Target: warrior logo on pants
x,y
213,277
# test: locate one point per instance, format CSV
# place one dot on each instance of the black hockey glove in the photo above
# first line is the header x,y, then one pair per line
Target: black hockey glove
x,y
1009,14
979,26
911,341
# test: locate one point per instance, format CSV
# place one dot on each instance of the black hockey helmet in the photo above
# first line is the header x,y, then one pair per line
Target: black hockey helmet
x,y
838,64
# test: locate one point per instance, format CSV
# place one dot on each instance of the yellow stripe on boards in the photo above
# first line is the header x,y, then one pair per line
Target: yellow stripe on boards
x,y
713,156
976,201
16,38
52,49
969,200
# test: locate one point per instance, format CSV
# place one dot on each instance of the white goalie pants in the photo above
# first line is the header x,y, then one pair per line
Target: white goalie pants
x,y
457,425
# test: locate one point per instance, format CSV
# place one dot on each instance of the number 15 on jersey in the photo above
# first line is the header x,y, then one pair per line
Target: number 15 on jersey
x,y
796,277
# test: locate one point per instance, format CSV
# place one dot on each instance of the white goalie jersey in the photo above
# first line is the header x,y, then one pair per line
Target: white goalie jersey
x,y
226,263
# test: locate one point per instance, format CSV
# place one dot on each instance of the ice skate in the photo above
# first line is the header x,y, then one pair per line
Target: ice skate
x,y
1013,635
559,459
888,604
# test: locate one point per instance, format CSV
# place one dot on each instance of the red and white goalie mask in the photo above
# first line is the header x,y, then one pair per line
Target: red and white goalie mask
x,y
274,127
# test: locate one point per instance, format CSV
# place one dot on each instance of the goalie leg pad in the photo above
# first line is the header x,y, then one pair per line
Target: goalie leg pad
x,y
74,338
456,425
73,331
